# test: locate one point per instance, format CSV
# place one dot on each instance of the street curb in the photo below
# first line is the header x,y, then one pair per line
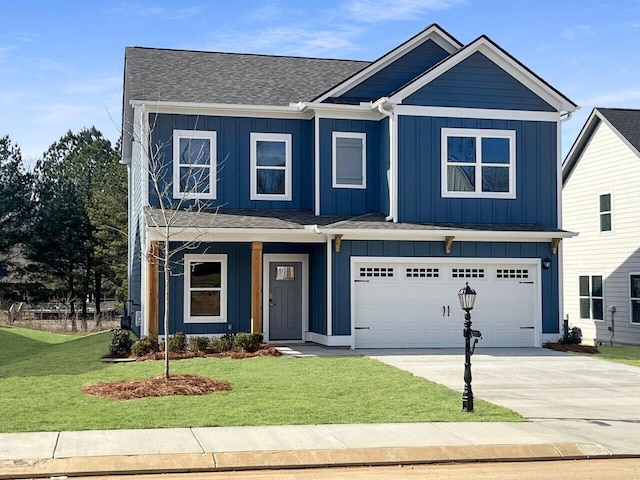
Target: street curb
x,y
228,461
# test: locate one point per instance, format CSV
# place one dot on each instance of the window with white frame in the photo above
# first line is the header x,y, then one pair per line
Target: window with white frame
x,y
194,164
478,163
270,166
634,297
349,153
591,297
605,212
205,288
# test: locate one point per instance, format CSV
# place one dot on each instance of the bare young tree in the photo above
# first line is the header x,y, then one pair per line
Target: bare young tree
x,y
179,197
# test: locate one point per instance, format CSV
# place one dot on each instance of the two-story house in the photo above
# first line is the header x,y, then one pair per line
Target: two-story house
x,y
345,202
602,264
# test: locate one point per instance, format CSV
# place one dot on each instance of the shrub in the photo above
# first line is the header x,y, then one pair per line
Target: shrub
x,y
227,341
120,345
249,342
146,345
571,336
198,344
178,342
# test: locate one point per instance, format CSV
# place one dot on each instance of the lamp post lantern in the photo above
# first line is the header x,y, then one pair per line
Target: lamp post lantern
x,y
467,298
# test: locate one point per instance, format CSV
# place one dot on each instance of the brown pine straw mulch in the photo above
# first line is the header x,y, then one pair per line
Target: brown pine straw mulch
x,y
571,347
264,351
157,387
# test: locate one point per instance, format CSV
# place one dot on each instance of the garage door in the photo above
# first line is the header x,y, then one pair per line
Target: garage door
x,y
415,304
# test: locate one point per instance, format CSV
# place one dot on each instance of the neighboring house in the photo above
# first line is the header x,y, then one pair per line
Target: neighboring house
x,y
602,265
355,198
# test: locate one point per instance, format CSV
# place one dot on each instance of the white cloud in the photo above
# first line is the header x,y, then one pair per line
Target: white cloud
x,y
386,10
157,11
96,86
620,97
287,40
579,31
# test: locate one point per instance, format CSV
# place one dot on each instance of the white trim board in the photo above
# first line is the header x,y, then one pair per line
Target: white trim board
x,y
481,113
285,257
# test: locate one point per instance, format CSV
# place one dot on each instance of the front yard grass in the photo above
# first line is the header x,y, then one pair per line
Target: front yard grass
x,y
42,375
626,355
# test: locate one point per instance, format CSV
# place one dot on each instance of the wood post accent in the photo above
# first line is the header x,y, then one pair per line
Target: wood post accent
x,y
152,288
256,287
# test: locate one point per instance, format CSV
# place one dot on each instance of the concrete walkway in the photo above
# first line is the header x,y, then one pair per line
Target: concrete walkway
x,y
581,407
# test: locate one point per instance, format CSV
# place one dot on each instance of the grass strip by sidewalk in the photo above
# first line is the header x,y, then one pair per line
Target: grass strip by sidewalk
x,y
627,355
42,375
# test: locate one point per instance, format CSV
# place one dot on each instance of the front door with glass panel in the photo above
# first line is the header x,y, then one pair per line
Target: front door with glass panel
x,y
285,301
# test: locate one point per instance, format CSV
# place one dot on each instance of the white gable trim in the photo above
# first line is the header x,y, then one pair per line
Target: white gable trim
x,y
434,33
496,55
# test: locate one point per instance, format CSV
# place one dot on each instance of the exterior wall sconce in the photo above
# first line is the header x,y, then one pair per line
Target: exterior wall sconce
x,y
546,263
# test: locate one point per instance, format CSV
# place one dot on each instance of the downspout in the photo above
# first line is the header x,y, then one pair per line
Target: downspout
x,y
392,160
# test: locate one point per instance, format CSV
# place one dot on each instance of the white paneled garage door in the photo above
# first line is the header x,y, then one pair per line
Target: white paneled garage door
x,y
401,302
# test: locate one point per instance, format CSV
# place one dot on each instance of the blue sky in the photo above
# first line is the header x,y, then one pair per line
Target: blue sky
x,y
61,61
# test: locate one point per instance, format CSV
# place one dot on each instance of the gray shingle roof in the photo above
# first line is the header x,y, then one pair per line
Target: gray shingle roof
x,y
155,74
298,219
626,121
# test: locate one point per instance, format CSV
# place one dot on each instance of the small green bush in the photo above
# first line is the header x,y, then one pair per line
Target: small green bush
x,y
146,345
178,342
249,342
227,342
120,345
198,344
572,336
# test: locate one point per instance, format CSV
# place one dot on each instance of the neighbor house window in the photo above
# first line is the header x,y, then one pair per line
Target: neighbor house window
x,y
194,164
205,288
349,153
478,163
634,295
591,297
605,212
270,166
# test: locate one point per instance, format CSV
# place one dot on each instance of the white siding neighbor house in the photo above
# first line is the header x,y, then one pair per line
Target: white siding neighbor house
x,y
600,198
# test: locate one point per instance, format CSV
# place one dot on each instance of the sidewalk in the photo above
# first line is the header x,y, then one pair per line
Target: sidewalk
x,y
45,454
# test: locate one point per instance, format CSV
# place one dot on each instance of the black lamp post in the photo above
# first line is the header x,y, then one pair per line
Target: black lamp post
x,y
467,297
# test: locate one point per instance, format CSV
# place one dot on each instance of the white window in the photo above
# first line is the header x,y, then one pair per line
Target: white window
x,y
591,297
270,166
478,163
634,296
194,164
205,288
605,212
349,165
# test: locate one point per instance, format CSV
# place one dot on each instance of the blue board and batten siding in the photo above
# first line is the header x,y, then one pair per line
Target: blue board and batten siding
x,y
341,306
419,183
233,156
395,75
477,82
239,287
349,201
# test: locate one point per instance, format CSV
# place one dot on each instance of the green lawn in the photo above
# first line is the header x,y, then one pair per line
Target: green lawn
x,y
627,355
42,375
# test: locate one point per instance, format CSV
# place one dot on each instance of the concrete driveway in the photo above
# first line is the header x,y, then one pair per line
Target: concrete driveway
x,y
588,398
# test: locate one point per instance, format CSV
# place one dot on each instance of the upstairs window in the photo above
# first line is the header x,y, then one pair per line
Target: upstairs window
x,y
478,163
591,297
349,154
194,164
605,212
270,166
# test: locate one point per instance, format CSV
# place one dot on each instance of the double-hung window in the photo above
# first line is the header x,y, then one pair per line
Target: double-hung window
x,y
634,297
205,288
270,166
349,153
478,163
591,297
194,164
605,212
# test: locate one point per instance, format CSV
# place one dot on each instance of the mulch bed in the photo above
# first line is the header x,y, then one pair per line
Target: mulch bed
x,y
157,387
571,347
264,351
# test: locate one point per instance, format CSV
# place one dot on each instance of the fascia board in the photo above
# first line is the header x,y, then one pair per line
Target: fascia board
x,y
579,144
495,54
439,235
181,234
224,109
434,33
482,113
